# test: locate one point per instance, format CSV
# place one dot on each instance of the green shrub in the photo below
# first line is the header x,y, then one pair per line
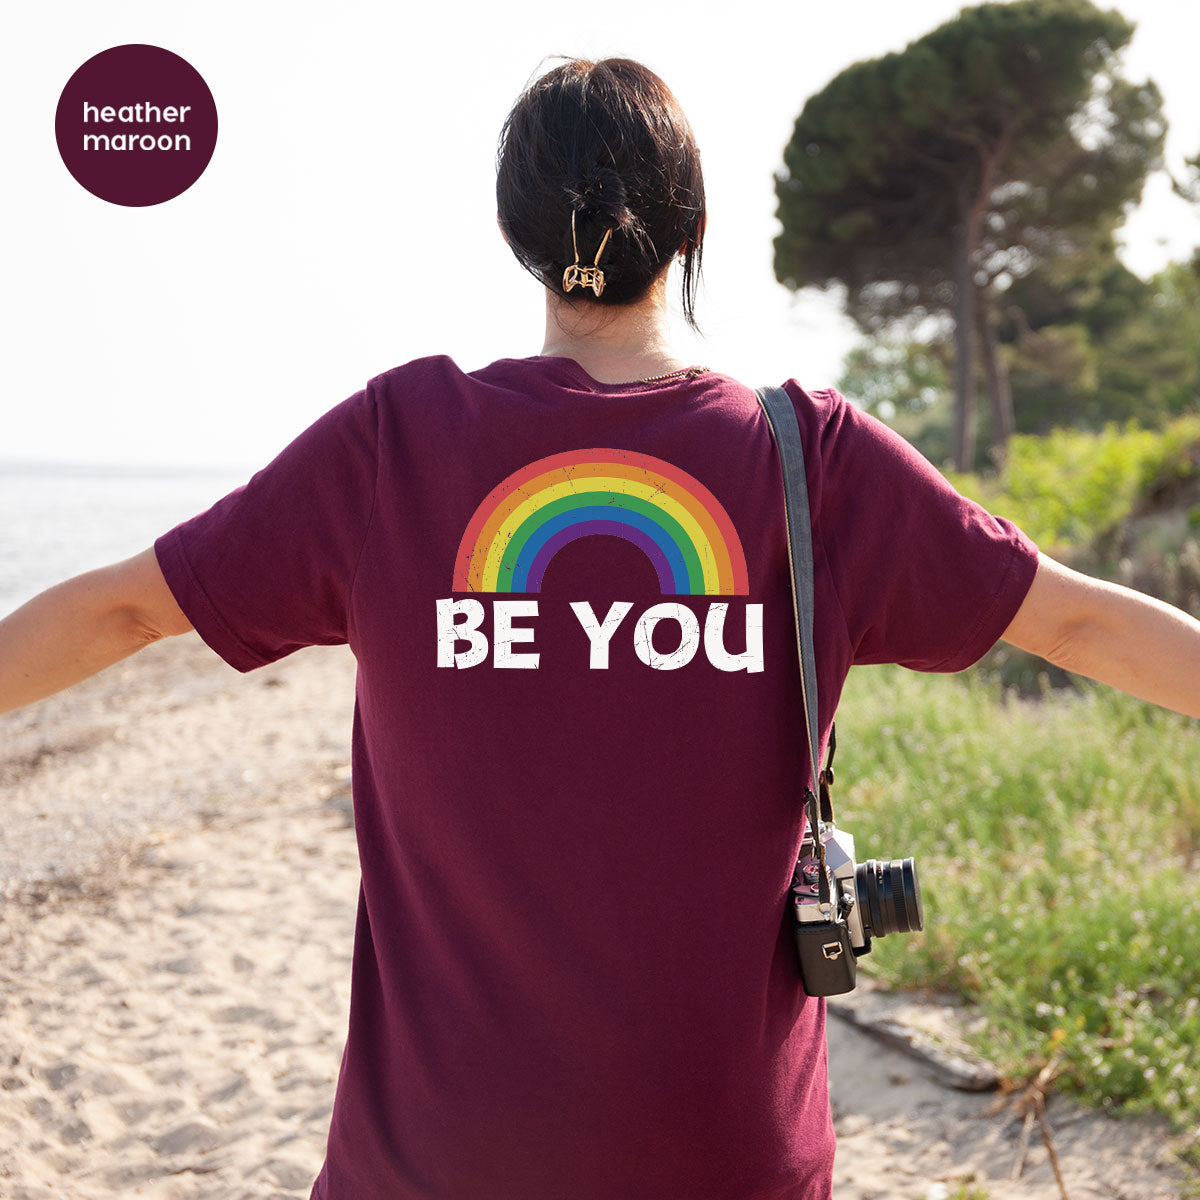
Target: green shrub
x,y
1066,488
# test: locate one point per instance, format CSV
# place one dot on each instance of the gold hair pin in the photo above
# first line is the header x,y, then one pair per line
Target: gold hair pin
x,y
591,276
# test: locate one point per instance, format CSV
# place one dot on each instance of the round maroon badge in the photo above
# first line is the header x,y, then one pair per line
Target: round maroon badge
x,y
136,125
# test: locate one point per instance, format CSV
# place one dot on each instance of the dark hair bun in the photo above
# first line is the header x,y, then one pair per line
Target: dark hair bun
x,y
596,147
599,190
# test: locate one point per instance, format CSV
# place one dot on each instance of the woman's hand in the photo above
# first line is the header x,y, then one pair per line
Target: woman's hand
x,y
1112,634
79,627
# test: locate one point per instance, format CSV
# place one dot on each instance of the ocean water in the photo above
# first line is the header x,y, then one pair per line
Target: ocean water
x,y
57,520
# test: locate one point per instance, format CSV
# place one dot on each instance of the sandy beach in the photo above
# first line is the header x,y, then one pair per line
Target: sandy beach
x,y
179,880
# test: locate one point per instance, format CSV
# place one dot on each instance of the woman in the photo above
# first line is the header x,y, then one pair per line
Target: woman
x,y
577,760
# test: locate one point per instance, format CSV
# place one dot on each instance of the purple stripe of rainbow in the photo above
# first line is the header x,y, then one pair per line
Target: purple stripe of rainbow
x,y
652,550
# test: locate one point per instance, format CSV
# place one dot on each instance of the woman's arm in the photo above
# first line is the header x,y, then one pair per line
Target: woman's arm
x,y
79,627
1110,633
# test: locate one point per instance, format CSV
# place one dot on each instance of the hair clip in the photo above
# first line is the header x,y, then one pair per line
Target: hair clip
x,y
591,276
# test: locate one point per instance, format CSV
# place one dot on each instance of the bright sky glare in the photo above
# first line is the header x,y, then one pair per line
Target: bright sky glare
x,y
347,220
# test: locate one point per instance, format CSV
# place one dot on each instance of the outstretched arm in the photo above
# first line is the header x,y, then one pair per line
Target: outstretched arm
x,y
79,627
1112,634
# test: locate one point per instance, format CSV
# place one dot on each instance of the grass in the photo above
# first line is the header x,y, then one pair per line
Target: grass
x,y
1056,842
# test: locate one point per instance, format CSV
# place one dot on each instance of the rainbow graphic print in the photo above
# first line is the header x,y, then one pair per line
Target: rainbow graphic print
x,y
674,519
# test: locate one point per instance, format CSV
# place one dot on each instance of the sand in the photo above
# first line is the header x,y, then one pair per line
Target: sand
x,y
180,879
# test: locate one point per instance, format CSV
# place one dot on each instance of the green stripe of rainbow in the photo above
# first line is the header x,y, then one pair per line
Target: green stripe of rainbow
x,y
644,498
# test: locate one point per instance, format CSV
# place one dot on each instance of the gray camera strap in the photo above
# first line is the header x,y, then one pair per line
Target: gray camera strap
x,y
781,416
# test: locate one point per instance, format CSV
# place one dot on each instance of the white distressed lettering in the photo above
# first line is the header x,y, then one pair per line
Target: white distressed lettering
x,y
751,659
600,634
450,632
506,636
689,641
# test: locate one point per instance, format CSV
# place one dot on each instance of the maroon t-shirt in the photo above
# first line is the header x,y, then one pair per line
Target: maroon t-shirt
x,y
578,757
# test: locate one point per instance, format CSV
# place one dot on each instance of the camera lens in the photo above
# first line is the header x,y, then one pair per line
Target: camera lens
x,y
889,897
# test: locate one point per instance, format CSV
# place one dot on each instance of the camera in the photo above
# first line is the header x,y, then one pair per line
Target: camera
x,y
866,900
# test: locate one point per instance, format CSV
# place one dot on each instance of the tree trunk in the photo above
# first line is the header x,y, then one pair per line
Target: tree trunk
x,y
971,208
999,391
964,349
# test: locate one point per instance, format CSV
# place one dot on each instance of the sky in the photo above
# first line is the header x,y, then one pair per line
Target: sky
x,y
346,222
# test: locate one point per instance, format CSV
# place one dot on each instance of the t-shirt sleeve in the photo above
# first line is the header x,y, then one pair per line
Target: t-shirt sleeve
x,y
926,577
270,568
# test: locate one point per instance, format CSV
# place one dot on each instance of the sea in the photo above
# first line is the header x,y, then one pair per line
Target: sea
x,y
57,520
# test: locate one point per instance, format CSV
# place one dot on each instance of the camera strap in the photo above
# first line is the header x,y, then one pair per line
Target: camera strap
x,y
781,417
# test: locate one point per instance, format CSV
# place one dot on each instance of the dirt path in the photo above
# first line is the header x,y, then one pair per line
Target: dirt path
x,y
172,1009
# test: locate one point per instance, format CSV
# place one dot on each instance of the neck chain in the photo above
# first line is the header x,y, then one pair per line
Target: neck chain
x,y
680,372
